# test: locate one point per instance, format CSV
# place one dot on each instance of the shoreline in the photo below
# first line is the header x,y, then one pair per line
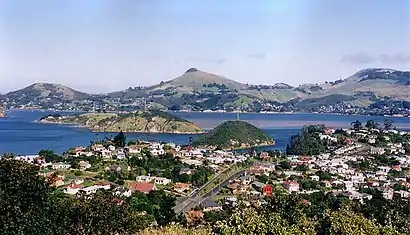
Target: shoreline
x,y
264,113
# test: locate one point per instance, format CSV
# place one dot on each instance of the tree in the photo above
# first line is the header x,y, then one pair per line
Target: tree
x,y
120,140
50,156
103,213
252,221
371,124
26,202
307,142
356,125
29,205
388,124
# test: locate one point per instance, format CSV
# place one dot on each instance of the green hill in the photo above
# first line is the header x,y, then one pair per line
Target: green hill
x,y
141,121
234,134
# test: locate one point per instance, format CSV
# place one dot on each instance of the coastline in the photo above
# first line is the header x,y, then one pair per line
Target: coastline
x,y
215,112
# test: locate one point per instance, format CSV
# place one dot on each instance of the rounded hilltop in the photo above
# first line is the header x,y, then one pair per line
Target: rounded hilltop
x,y
153,121
234,134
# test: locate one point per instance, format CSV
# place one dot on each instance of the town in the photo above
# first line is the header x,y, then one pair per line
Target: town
x,y
355,163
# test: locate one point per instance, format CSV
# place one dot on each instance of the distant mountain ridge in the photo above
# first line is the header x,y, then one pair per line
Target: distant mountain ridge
x,y
200,90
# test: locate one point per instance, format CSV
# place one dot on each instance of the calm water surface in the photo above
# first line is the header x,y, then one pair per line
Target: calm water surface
x,y
20,134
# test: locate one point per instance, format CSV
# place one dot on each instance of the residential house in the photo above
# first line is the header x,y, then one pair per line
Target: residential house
x,y
59,181
123,192
60,166
120,154
94,188
348,185
387,192
156,180
143,187
211,206
117,168
46,172
264,156
181,187
187,171
133,150
377,151
84,165
267,190
314,177
157,152
73,189
111,148
403,194
291,186
105,153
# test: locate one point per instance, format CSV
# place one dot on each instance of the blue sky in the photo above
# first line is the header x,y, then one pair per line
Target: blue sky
x,y
107,45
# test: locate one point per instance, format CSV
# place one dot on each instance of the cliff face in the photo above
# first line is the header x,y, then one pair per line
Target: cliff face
x,y
143,121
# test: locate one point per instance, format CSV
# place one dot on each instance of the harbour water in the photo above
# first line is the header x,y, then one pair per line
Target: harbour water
x,y
21,134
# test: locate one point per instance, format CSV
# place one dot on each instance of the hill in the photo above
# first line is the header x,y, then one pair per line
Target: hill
x,y
43,95
196,80
234,134
199,90
141,121
47,90
376,83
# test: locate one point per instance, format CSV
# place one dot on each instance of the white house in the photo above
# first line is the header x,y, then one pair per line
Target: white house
x,y
291,186
156,180
73,189
156,152
60,166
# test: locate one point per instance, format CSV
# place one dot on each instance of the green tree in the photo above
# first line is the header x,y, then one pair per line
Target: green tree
x,y
356,125
388,124
26,202
120,140
50,156
371,124
103,213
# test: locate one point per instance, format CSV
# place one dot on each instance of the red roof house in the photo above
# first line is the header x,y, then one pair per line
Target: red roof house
x,y
267,190
143,187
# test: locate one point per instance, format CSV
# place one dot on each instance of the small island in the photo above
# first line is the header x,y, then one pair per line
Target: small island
x,y
140,121
234,135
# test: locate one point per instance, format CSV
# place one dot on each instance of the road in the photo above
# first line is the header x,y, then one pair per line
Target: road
x,y
195,199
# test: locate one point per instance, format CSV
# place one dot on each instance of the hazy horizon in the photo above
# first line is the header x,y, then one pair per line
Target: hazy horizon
x,y
99,46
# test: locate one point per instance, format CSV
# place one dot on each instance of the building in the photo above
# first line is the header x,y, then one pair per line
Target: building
x,y
73,189
123,191
291,186
267,190
156,180
142,187
60,166
181,187
211,206
264,156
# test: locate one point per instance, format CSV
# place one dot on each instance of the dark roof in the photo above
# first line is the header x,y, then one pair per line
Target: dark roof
x,y
209,203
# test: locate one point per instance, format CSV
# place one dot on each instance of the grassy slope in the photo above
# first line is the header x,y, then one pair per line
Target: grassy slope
x,y
152,121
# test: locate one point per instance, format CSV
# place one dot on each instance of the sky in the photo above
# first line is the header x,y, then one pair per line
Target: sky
x,y
108,45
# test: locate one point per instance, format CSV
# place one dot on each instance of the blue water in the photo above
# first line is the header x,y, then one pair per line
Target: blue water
x,y
20,134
